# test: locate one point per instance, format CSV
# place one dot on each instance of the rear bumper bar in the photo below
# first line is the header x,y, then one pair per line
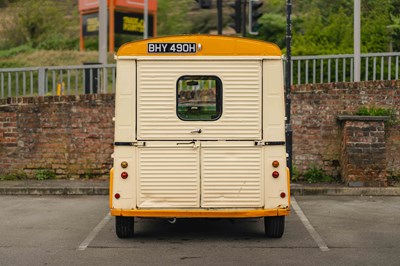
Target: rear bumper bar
x,y
200,213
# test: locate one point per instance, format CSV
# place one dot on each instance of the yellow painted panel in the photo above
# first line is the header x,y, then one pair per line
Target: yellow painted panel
x,y
201,213
209,45
111,187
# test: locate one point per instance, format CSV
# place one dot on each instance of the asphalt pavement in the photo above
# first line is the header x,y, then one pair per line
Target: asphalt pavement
x,y
101,187
78,230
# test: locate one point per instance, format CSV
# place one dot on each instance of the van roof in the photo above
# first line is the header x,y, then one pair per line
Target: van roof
x,y
206,45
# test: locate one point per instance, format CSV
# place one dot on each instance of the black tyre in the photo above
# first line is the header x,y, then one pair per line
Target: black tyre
x,y
274,226
125,226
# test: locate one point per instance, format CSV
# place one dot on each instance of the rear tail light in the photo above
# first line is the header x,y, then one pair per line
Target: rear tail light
x,y
283,195
275,174
124,175
275,164
117,195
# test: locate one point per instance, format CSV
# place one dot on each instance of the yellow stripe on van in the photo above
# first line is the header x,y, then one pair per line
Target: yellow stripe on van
x,y
201,213
206,45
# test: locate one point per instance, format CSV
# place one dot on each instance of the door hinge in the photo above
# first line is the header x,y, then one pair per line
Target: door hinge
x,y
259,143
127,143
269,143
139,143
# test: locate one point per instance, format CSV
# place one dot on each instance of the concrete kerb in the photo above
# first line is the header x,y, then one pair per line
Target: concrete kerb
x,y
61,191
54,187
79,187
345,191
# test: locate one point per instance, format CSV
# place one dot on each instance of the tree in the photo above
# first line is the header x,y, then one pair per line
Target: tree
x,y
172,17
375,18
39,23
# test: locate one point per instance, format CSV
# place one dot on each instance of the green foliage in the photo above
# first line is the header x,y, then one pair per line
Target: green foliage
x,y
394,179
59,42
273,28
15,50
326,27
319,26
316,175
39,24
295,175
172,18
374,111
44,174
13,176
88,175
378,111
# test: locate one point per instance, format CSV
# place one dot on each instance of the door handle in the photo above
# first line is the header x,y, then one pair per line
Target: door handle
x,y
196,131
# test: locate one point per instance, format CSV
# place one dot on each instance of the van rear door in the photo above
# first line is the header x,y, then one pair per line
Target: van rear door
x,y
199,120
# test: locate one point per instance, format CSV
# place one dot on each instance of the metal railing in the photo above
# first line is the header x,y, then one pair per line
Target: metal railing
x,y
340,68
60,80
84,79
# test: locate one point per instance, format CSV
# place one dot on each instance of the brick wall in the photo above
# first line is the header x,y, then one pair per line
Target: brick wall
x,y
363,151
70,135
317,133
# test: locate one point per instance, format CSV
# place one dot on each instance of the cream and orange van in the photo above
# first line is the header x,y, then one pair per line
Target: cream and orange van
x,y
199,132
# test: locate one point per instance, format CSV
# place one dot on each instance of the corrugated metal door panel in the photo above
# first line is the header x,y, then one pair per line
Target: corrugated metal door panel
x,y
241,93
231,176
274,107
168,176
125,101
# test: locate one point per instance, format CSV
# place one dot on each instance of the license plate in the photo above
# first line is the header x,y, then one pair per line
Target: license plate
x,y
171,48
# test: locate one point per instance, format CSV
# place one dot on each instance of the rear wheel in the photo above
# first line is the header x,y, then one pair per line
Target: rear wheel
x,y
274,226
124,226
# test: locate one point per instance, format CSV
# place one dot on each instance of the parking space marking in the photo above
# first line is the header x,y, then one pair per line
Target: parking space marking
x,y
85,243
314,234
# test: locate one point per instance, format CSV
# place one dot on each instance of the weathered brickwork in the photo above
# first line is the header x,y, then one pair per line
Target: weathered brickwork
x,y
363,153
317,133
70,135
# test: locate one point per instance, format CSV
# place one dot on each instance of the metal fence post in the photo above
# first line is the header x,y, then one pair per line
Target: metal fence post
x,y
41,81
357,42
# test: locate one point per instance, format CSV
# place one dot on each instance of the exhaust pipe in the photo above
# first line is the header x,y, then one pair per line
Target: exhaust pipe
x,y
171,220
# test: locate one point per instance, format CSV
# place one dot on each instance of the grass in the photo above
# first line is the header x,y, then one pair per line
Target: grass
x,y
25,56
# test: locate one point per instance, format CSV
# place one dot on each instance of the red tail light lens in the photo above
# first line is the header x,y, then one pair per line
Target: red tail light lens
x,y
117,195
283,195
124,175
275,174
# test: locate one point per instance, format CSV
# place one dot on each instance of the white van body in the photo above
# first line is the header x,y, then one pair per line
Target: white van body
x,y
170,161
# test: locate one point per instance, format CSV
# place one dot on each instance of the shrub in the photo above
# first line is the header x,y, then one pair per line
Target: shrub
x,y
13,176
378,111
44,174
316,175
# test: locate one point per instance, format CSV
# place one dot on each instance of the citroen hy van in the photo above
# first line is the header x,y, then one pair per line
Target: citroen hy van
x,y
199,132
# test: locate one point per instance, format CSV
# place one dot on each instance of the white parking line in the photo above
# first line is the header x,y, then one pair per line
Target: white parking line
x,y
314,234
85,243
